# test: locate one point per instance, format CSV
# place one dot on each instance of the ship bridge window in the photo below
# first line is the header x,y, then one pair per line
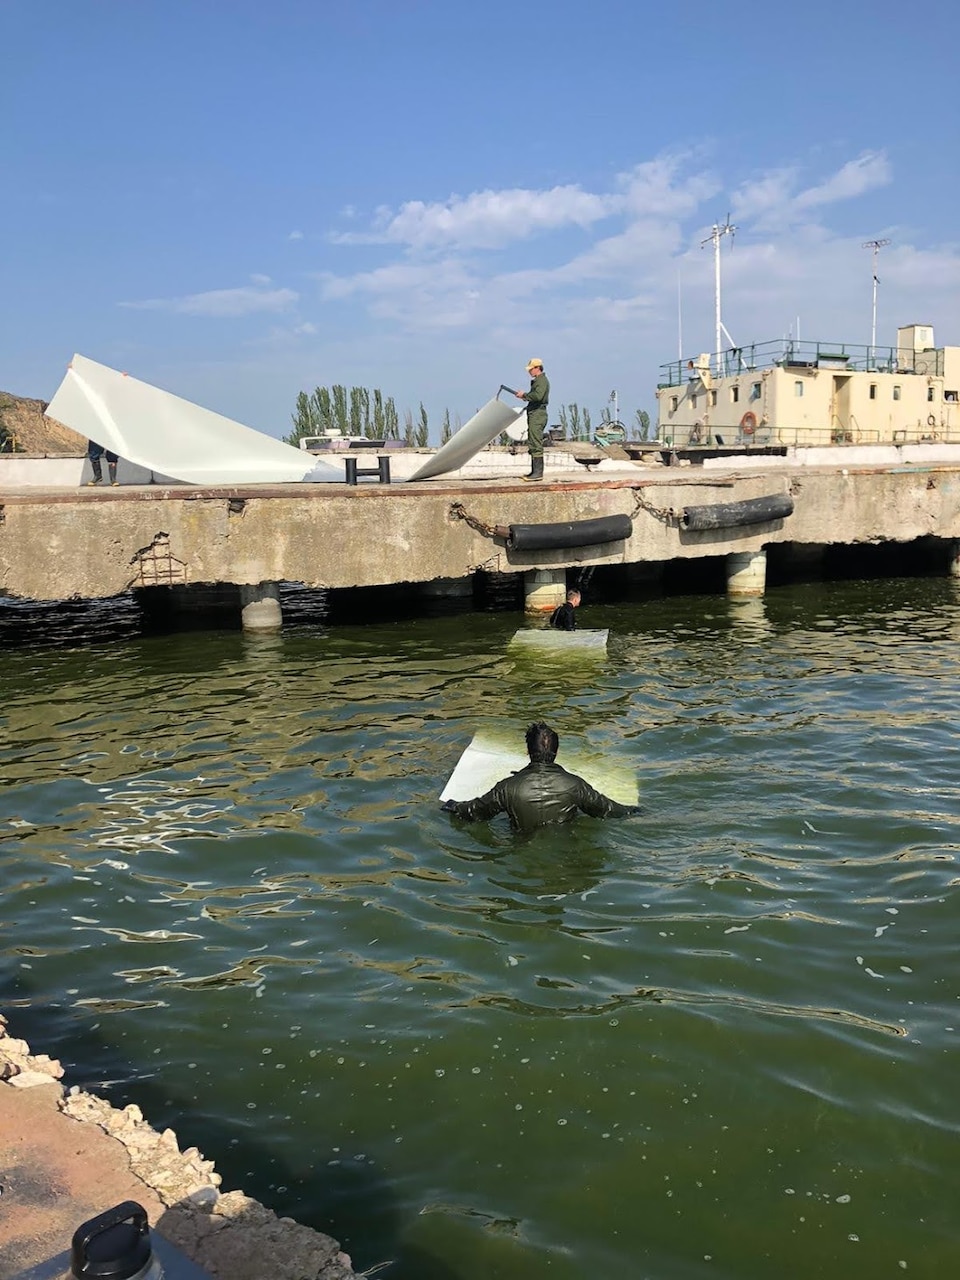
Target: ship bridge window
x,y
896,393
674,404
734,395
951,396
873,391
754,390
798,388
929,394
713,398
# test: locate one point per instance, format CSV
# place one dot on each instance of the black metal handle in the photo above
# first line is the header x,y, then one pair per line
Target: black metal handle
x,y
87,1232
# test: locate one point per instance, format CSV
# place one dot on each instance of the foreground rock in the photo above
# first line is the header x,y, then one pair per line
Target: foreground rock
x,y
57,1169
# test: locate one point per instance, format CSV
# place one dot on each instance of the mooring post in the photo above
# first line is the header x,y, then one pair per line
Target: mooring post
x,y
746,573
544,589
260,607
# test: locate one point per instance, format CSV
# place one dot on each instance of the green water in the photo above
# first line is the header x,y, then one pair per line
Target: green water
x,y
719,1041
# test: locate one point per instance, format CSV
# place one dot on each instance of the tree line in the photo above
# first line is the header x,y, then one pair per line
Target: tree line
x,y
358,411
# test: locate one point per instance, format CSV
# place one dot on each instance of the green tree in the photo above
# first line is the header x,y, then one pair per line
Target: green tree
x,y
586,424
379,426
391,420
359,411
643,424
302,418
322,410
340,418
408,432
445,431
423,429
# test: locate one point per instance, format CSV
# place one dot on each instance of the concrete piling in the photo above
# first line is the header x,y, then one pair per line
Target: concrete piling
x,y
543,590
260,607
746,573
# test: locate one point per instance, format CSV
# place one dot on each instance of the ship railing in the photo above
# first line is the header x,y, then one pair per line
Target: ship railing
x,y
789,353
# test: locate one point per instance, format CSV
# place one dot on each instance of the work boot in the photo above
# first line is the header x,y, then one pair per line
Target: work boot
x,y
536,468
112,468
97,472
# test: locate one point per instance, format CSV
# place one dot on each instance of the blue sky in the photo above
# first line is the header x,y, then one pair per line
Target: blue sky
x,y
237,199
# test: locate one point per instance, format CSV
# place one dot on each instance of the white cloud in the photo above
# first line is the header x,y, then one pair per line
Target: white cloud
x,y
223,303
486,219
772,200
872,169
295,235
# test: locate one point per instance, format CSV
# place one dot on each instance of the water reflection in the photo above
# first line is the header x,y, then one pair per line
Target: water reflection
x,y
475,1051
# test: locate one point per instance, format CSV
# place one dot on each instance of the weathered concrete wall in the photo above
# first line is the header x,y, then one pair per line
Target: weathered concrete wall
x,y
96,543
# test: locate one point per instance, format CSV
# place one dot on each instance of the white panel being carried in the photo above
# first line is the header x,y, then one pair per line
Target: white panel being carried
x,y
486,424
553,641
492,755
171,436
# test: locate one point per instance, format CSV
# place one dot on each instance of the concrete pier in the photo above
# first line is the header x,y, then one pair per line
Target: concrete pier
x,y
67,1156
96,543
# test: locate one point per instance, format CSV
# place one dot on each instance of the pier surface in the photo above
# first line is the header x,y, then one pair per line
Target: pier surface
x,y
67,1156
95,543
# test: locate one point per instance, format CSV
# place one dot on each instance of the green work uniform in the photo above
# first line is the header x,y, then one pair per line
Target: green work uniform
x,y
537,399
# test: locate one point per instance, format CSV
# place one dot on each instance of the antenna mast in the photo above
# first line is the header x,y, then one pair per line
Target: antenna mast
x,y
714,238
876,246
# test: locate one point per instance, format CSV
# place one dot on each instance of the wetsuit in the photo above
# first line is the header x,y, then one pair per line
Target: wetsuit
x,y
539,795
564,617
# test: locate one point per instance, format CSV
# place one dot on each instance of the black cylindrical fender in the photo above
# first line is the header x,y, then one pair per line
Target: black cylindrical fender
x,y
728,515
569,533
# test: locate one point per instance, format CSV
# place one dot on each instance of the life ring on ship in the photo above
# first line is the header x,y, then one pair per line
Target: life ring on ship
x,y
748,423
931,419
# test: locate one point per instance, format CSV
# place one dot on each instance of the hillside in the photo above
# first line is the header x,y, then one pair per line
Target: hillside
x,y
32,433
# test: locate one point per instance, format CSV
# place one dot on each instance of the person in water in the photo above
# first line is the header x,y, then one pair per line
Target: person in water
x,y
563,617
541,794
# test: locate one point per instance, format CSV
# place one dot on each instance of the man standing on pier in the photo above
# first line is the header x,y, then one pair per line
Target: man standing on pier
x,y
537,398
95,453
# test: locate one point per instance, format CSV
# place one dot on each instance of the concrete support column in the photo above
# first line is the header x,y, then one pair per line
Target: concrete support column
x,y
260,607
746,573
955,560
544,589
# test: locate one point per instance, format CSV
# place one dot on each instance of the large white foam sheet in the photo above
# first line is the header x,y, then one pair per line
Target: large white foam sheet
x,y
491,756
485,425
171,436
549,640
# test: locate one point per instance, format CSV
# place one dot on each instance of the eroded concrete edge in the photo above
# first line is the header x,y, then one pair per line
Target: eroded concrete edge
x,y
229,1234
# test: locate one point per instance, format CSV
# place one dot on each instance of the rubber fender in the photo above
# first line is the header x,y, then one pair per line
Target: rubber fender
x,y
728,515
570,533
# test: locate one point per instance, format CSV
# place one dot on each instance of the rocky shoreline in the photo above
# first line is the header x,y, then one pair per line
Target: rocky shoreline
x,y
228,1234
